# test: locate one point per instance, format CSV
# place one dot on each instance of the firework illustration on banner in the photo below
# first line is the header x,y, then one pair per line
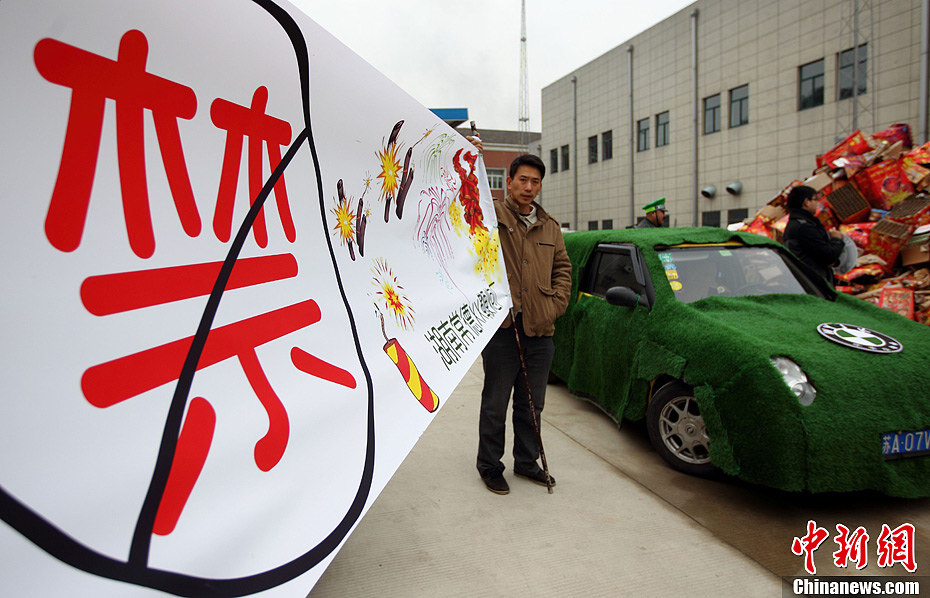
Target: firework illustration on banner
x,y
390,298
452,233
192,337
454,205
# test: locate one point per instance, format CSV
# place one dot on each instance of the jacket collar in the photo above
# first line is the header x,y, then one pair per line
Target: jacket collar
x,y
802,214
541,214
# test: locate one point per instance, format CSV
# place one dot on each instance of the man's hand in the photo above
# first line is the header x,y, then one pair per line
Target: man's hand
x,y
476,141
835,234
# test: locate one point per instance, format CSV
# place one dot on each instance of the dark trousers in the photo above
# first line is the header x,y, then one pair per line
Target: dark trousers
x,y
503,375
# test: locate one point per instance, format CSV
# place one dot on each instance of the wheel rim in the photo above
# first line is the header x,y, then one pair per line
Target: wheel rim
x,y
682,430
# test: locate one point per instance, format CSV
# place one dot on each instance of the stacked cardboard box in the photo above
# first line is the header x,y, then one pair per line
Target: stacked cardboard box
x,y
874,189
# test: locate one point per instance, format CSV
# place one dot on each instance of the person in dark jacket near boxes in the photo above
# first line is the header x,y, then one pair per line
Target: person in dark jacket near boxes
x,y
807,238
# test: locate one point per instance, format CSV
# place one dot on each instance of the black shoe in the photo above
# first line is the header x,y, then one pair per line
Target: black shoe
x,y
538,476
496,483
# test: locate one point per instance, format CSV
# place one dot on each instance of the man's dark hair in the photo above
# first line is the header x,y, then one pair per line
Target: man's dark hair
x,y
798,195
528,160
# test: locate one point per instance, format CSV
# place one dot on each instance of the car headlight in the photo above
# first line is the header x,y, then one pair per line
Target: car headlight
x,y
796,380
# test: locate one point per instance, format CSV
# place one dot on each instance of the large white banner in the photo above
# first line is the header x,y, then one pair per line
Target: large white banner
x,y
242,270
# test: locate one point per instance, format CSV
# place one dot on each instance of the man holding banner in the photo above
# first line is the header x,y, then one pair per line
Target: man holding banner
x,y
539,273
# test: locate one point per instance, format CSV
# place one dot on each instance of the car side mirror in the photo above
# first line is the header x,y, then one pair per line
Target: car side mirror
x,y
625,297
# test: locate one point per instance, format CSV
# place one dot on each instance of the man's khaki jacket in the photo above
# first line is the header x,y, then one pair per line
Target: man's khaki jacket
x,y
538,268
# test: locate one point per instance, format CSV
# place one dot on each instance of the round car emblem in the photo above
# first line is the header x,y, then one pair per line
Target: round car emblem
x,y
857,337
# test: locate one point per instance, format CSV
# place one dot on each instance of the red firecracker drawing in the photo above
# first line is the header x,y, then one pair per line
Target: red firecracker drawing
x,y
417,385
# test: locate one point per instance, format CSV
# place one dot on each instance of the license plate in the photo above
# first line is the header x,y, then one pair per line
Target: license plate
x,y
896,445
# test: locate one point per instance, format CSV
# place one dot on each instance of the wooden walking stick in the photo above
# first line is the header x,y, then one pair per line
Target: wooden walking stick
x,y
529,395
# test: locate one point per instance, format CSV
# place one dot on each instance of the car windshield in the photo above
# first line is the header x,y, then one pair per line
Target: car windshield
x,y
696,272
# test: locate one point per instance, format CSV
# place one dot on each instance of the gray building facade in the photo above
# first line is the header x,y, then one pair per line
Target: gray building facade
x,y
723,104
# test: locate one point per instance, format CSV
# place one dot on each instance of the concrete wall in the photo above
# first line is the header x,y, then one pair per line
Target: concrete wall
x,y
757,43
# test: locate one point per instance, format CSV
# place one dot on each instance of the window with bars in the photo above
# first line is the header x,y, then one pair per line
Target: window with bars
x,y
642,135
739,106
607,145
737,215
711,218
496,178
849,68
712,114
810,85
662,129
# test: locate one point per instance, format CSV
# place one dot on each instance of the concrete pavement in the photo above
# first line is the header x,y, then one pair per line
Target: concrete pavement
x,y
436,530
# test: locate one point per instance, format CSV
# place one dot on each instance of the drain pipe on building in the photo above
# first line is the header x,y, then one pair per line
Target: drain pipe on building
x,y
924,70
694,117
575,150
629,75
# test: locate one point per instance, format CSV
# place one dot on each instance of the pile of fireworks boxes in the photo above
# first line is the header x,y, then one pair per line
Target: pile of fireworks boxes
x,y
876,190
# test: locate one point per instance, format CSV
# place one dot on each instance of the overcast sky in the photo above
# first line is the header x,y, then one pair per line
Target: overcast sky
x,y
467,54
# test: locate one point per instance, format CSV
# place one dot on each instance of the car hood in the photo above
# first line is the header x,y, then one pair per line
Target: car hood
x,y
860,395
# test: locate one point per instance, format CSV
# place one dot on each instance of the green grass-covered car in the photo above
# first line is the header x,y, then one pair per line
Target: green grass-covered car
x,y
742,361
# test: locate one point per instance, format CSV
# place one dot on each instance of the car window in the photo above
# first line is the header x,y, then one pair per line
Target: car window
x,y
731,271
612,266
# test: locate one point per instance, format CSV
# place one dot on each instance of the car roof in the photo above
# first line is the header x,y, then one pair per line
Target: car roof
x,y
580,244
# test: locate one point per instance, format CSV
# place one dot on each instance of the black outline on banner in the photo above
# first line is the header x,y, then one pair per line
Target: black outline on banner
x,y
136,570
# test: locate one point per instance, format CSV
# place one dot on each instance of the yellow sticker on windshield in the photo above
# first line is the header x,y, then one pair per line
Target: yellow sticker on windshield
x,y
676,286
672,274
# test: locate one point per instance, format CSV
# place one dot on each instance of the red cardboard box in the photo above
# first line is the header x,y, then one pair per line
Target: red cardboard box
x,y
898,300
854,145
886,239
918,175
895,133
884,184
921,154
913,210
858,232
825,215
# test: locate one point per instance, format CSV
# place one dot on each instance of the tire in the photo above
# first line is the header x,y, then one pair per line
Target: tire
x,y
676,430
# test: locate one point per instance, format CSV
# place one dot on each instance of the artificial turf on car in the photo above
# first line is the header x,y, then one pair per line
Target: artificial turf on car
x,y
722,345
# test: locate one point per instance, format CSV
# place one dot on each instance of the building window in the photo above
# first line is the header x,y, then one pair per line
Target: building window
x,y
496,178
739,106
846,71
810,88
712,114
592,149
737,215
567,225
553,160
592,224
662,129
607,145
710,218
607,224
564,157
642,135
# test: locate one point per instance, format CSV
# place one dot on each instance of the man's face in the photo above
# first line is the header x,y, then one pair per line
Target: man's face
x,y
660,217
811,204
524,187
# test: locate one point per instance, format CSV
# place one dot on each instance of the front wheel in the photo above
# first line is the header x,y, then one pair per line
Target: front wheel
x,y
676,429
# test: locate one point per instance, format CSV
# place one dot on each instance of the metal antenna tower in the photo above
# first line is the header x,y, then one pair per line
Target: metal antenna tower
x,y
524,115
857,29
